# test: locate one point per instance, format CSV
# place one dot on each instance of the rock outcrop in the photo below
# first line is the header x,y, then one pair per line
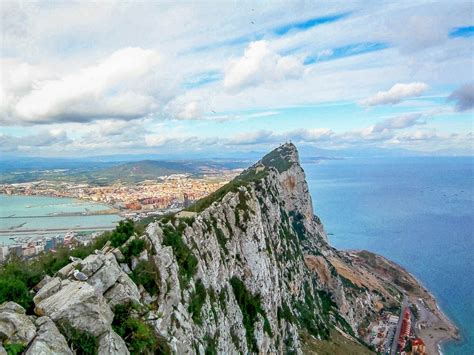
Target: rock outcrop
x,y
48,339
15,325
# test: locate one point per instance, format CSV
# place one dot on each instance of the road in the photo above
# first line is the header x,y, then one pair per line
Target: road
x,y
8,232
393,349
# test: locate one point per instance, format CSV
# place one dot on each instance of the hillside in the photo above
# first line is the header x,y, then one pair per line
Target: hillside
x,y
246,270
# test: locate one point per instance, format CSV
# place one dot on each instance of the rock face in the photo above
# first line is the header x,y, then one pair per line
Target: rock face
x,y
246,270
263,262
80,306
15,326
48,339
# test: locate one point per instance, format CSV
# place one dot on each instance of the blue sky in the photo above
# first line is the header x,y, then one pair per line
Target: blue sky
x,y
83,78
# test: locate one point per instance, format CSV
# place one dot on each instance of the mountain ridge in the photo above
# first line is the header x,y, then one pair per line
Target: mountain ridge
x,y
246,270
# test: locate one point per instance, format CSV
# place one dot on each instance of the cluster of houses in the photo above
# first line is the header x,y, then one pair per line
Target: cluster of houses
x,y
32,246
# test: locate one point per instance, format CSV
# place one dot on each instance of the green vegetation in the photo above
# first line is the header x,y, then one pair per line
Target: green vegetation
x,y
211,344
298,226
122,232
221,239
278,159
81,342
308,318
251,307
186,259
147,275
14,348
198,298
337,344
134,248
138,335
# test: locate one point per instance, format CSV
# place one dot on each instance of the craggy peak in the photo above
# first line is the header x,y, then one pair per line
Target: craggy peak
x,y
247,269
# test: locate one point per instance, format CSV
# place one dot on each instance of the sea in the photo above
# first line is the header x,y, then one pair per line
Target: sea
x,y
416,211
38,213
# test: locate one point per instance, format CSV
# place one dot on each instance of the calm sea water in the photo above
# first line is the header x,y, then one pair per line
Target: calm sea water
x,y
35,212
418,212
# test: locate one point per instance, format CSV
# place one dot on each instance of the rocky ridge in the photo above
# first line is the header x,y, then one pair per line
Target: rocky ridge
x,y
247,269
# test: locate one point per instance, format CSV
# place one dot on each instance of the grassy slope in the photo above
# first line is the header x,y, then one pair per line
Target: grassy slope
x,y
336,345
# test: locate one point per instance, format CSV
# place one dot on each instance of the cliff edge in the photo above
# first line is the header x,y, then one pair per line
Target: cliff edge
x,y
247,269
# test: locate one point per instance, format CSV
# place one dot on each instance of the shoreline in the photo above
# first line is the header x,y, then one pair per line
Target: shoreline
x,y
432,325
435,335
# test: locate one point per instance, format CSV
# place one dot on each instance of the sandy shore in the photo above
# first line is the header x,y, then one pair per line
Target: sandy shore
x,y
432,325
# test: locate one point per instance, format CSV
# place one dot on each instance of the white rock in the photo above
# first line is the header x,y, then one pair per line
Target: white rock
x,y
111,343
48,340
80,305
15,326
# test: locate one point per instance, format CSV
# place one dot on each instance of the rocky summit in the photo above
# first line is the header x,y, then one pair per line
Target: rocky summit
x,y
247,269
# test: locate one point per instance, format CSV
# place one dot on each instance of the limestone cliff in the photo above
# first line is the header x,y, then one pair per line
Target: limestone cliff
x,y
248,269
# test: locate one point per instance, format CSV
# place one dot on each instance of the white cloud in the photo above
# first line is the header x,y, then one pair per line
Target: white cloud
x,y
182,109
396,94
259,65
399,122
110,89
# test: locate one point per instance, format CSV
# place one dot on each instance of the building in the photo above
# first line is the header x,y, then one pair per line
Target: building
x,y
418,347
3,253
406,328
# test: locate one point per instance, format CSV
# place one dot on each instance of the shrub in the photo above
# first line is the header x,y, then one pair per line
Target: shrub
x,y
250,306
147,275
138,335
187,261
83,343
122,232
134,248
14,348
15,290
197,300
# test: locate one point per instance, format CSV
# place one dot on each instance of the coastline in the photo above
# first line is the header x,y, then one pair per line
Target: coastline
x,y
432,325
441,330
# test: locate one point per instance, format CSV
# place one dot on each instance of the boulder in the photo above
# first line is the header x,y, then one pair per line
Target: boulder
x,y
92,263
2,350
79,305
48,289
123,292
43,282
111,343
15,326
48,340
106,276
67,270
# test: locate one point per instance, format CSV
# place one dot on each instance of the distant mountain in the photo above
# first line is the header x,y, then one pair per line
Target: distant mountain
x,y
142,170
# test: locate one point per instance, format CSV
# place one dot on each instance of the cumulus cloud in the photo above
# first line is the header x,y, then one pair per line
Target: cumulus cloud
x,y
399,122
110,89
184,108
260,64
463,97
395,94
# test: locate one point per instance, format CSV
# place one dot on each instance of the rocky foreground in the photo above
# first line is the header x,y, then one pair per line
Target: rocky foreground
x,y
246,270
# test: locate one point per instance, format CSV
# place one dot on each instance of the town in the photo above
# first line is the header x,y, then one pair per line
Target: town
x,y
163,193
133,201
